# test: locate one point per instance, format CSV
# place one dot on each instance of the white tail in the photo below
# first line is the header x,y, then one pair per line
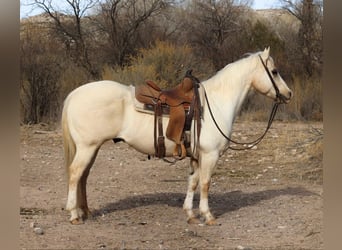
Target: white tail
x,y
68,142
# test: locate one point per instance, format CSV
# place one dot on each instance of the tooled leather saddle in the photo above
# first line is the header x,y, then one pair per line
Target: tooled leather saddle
x,y
182,103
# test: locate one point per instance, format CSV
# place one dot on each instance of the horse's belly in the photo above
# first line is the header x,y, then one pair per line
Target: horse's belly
x,y
139,133
147,146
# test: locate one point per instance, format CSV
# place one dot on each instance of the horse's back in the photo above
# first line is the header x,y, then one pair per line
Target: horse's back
x,y
94,111
98,90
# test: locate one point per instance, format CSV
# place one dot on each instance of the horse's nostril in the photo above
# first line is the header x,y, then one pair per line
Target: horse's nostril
x,y
290,94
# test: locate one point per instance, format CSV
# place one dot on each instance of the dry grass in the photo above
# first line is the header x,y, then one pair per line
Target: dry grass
x,y
307,101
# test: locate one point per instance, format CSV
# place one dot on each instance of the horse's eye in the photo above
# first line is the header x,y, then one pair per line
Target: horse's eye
x,y
274,72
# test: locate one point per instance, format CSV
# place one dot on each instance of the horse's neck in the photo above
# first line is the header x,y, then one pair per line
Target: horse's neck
x,y
229,87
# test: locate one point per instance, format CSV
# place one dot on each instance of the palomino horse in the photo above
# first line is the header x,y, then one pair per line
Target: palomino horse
x,y
105,110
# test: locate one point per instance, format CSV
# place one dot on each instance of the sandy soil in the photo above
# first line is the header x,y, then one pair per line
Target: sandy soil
x,y
266,198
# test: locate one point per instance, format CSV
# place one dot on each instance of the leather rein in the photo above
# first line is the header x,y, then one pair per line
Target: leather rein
x,y
249,145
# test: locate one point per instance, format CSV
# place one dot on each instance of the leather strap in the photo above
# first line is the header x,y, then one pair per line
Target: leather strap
x,y
159,139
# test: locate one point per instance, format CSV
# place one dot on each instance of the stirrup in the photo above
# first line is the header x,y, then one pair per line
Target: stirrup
x,y
182,153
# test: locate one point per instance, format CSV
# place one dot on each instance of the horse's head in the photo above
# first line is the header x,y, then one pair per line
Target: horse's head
x,y
268,81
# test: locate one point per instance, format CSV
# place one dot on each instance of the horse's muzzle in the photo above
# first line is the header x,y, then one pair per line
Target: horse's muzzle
x,y
284,99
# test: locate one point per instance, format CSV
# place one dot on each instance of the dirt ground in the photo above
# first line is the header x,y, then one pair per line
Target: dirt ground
x,y
269,197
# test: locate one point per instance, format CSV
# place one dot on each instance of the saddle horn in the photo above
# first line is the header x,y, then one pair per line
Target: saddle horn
x,y
188,73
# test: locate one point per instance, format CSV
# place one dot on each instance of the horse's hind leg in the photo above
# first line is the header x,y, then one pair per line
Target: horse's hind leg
x,y
192,185
78,173
82,189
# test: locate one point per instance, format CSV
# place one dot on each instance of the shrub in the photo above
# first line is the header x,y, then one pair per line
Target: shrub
x,y
164,63
307,99
41,65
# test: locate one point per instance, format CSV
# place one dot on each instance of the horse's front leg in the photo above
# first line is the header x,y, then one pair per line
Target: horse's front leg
x,y
192,185
206,167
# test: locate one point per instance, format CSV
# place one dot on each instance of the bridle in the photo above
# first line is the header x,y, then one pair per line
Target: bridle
x,y
279,97
248,145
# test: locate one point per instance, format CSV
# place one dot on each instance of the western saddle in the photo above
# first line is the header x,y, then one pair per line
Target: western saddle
x,y
182,103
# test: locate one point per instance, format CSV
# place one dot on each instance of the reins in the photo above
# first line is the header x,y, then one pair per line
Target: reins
x,y
249,145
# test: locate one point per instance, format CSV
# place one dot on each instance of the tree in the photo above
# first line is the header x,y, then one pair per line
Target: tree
x,y
310,35
212,25
68,24
121,21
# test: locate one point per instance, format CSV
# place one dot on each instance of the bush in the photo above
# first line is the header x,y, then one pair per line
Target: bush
x,y
164,63
41,66
307,99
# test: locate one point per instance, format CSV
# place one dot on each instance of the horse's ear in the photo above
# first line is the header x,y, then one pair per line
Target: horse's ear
x,y
266,53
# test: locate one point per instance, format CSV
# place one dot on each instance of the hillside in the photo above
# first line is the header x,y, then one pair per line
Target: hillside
x,y
274,17
277,18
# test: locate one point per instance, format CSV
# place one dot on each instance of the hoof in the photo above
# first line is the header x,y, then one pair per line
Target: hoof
x,y
193,220
87,215
77,221
212,222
